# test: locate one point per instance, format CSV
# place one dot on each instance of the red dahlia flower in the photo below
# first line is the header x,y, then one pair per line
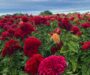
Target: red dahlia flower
x,y
76,30
37,20
86,46
86,25
31,66
6,27
19,33
11,32
24,18
5,34
26,28
31,46
65,24
52,65
71,18
10,47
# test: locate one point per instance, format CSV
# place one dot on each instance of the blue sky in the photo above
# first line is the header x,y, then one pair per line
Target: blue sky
x,y
40,5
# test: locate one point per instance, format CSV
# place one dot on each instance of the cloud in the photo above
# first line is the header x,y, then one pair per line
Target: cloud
x,y
41,5
34,0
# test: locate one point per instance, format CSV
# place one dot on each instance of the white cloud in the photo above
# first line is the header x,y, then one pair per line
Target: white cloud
x,y
33,0
40,5
73,1
38,0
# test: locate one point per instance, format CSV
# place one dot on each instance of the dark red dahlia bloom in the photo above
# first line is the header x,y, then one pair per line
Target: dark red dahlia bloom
x,y
75,29
9,23
8,33
79,33
19,33
86,25
26,28
24,18
86,46
31,66
10,47
38,20
5,34
11,32
1,24
71,18
65,24
57,47
52,65
79,16
31,46
6,27
43,20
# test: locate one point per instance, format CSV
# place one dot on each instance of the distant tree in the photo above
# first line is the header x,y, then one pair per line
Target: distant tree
x,y
47,12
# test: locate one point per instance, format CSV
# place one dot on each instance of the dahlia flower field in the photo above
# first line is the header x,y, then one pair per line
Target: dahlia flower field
x,y
45,45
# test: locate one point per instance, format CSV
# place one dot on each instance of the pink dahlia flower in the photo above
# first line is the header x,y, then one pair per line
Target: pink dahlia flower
x,y
52,65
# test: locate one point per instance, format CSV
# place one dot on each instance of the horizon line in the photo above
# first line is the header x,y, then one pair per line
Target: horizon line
x,y
38,12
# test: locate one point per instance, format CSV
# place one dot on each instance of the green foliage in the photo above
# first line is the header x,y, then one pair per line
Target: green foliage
x,y
43,34
47,12
13,65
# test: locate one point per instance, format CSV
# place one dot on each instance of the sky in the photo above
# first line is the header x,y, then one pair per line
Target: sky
x,y
36,6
